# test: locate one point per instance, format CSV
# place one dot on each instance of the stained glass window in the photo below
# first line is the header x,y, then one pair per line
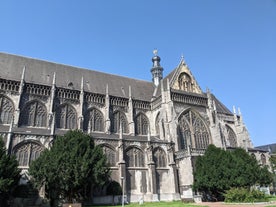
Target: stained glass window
x,y
66,117
231,137
159,157
135,157
141,124
34,114
6,110
93,120
192,131
118,119
27,153
110,155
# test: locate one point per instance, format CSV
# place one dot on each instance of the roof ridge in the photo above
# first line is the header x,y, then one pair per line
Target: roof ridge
x,y
72,66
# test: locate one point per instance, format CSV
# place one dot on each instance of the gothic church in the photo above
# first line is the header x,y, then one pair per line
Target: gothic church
x,y
150,131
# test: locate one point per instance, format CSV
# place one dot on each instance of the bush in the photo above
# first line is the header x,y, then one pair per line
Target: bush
x,y
244,195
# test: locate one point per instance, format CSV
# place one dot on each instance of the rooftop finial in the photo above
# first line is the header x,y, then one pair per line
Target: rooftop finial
x,y
155,52
182,60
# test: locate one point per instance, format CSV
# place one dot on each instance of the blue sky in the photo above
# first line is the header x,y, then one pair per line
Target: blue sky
x,y
229,45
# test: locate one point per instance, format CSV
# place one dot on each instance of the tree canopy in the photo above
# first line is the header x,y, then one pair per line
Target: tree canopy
x,y
219,170
9,172
273,167
70,167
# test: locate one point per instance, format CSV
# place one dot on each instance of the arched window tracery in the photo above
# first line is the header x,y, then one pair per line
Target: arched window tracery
x,y
135,157
201,134
34,114
110,155
232,138
192,131
28,152
263,159
66,117
119,118
141,124
159,157
94,120
6,110
185,82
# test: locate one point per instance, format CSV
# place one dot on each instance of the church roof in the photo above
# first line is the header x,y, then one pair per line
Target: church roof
x,y
269,147
221,108
42,72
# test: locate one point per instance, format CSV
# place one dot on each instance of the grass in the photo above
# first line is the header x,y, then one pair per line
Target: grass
x,y
272,198
158,204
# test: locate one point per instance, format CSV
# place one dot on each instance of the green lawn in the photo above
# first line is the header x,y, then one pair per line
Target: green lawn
x,y
158,204
272,198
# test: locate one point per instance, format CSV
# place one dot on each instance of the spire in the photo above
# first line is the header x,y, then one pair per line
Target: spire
x,y
156,70
239,111
234,110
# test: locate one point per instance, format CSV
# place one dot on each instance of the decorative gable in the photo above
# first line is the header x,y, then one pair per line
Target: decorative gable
x,y
184,80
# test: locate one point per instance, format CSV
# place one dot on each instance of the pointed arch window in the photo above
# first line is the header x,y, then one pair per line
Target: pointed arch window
x,y
6,110
159,157
135,158
201,134
94,121
66,117
141,124
263,159
110,155
34,114
184,134
119,118
192,131
28,152
185,82
253,156
232,138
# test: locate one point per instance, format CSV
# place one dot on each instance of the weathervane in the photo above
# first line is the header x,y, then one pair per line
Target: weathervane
x,y
155,51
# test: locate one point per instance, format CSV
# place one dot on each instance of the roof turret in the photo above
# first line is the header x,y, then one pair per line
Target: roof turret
x,y
156,70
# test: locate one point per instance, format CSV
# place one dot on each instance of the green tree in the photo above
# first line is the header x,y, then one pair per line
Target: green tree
x,y
245,169
70,168
210,170
273,167
114,188
9,173
219,170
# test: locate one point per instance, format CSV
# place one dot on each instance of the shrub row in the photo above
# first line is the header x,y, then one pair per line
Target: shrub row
x,y
245,195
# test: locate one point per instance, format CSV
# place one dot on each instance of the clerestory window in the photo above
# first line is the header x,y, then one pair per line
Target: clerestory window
x,y
34,114
6,110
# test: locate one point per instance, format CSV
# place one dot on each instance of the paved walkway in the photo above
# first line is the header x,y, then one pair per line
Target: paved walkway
x,y
222,204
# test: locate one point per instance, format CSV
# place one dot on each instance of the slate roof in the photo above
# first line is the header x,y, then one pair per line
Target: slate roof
x,y
221,108
41,72
268,147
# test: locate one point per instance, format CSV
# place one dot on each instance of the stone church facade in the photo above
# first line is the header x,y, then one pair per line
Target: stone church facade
x,y
151,132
